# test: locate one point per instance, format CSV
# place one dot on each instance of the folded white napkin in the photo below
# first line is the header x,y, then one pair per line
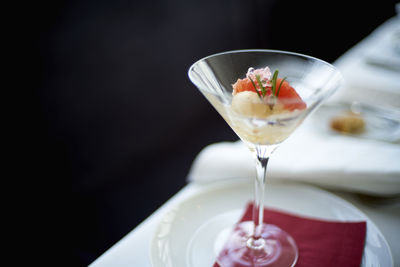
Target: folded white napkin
x,y
371,68
311,156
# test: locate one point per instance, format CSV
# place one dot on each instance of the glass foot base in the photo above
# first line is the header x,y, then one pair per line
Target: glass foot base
x,y
274,248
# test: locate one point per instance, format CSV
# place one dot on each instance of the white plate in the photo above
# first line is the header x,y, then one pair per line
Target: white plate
x,y
380,123
186,234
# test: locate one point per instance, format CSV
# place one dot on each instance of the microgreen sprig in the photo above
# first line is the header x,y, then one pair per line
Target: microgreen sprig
x,y
255,87
276,91
279,88
263,90
273,81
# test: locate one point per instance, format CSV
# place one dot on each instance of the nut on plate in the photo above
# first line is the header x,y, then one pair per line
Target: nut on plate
x,y
349,123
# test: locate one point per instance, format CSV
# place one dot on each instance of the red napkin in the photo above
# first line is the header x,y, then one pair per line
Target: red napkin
x,y
320,242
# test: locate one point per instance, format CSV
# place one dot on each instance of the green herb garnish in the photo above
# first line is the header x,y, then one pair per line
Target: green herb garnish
x,y
273,81
279,88
263,90
274,89
255,87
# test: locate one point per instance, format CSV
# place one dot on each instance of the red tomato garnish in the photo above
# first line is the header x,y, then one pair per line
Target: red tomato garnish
x,y
244,85
288,96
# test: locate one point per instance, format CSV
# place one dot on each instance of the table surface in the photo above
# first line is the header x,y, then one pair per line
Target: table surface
x,y
134,248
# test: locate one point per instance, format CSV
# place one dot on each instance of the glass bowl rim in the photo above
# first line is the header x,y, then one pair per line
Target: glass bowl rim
x,y
271,51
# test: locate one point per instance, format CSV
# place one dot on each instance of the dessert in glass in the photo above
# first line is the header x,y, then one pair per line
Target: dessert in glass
x,y
263,95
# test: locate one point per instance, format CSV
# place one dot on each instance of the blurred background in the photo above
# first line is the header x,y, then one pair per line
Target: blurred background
x,y
118,116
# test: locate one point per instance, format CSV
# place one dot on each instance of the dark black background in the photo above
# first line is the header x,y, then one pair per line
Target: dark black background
x,y
119,117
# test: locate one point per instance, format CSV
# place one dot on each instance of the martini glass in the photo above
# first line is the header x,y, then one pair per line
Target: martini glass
x,y
254,243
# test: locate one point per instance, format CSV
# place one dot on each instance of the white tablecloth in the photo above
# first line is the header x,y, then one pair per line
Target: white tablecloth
x,y
371,69
134,248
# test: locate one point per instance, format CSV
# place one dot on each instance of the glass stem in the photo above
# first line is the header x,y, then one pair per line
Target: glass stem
x,y
262,156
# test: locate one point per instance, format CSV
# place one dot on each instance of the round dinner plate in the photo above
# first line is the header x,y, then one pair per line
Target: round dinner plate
x,y
187,234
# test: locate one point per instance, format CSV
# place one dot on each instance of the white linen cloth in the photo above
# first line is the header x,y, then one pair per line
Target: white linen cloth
x,y
333,161
371,69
